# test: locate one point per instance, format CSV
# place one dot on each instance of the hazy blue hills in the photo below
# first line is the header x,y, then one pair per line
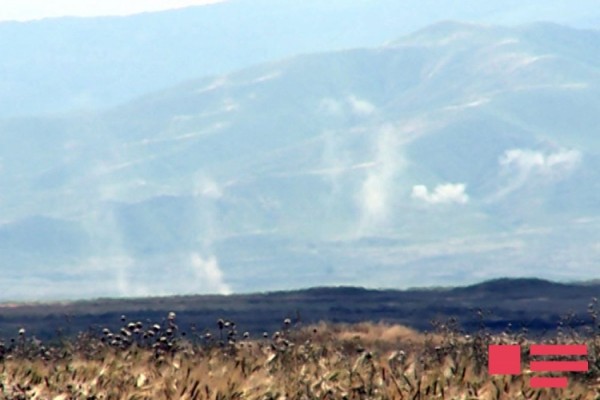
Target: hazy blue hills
x,y
62,64
448,156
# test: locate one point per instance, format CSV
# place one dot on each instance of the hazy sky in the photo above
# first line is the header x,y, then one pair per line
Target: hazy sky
x,y
23,10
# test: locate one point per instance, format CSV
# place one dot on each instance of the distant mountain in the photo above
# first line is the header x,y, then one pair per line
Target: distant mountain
x,y
455,154
57,65
538,306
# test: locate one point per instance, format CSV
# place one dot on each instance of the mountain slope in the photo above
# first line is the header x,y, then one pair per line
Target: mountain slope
x,y
57,65
458,153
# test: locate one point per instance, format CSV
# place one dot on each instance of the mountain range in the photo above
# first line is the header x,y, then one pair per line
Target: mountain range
x,y
451,155
55,65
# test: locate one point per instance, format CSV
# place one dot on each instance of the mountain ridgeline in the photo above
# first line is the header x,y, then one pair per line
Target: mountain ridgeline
x,y
451,155
59,64
531,306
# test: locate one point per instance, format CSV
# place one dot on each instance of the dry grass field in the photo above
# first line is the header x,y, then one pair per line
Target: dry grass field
x,y
324,361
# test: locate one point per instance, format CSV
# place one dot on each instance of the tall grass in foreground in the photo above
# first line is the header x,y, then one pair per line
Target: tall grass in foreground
x,y
360,361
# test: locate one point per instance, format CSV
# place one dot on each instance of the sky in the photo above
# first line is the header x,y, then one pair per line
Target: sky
x,y
26,10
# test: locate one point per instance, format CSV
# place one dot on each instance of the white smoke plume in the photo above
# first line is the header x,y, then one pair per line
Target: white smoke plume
x,y
530,161
350,105
361,106
375,194
520,166
207,187
209,273
442,194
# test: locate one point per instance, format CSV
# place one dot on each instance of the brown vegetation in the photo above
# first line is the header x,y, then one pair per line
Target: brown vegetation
x,y
359,361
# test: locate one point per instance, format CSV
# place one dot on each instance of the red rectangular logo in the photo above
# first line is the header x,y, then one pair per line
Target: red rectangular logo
x,y
505,359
